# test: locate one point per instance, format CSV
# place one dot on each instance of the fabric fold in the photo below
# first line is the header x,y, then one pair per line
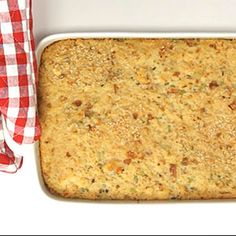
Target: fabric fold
x,y
18,78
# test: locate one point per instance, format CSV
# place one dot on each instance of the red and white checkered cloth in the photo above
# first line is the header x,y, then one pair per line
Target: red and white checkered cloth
x,y
17,80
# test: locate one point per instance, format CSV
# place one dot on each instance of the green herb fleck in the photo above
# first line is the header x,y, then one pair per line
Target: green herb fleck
x,y
133,190
182,92
203,87
83,190
136,179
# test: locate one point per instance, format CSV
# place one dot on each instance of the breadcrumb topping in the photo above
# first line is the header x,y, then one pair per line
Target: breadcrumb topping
x,y
139,119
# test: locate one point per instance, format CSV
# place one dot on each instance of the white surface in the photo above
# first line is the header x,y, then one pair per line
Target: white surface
x,y
25,209
133,15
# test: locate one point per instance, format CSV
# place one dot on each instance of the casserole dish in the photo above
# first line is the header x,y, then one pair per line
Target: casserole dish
x,y
52,39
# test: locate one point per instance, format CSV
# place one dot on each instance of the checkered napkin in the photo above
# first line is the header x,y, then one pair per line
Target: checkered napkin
x,y
17,81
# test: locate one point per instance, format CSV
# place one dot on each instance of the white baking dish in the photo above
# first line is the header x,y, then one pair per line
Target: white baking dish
x,y
53,38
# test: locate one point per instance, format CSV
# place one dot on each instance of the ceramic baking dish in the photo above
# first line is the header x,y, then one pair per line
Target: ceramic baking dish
x,y
53,38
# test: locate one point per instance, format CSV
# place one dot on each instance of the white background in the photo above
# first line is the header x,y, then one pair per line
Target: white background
x,y
25,209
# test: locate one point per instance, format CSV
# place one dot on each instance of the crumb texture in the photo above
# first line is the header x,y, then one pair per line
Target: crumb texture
x,y
139,119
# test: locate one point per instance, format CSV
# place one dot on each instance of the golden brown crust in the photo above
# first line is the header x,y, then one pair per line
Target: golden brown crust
x,y
139,119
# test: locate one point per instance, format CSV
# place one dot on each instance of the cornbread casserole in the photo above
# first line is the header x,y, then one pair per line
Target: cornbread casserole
x,y
139,119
